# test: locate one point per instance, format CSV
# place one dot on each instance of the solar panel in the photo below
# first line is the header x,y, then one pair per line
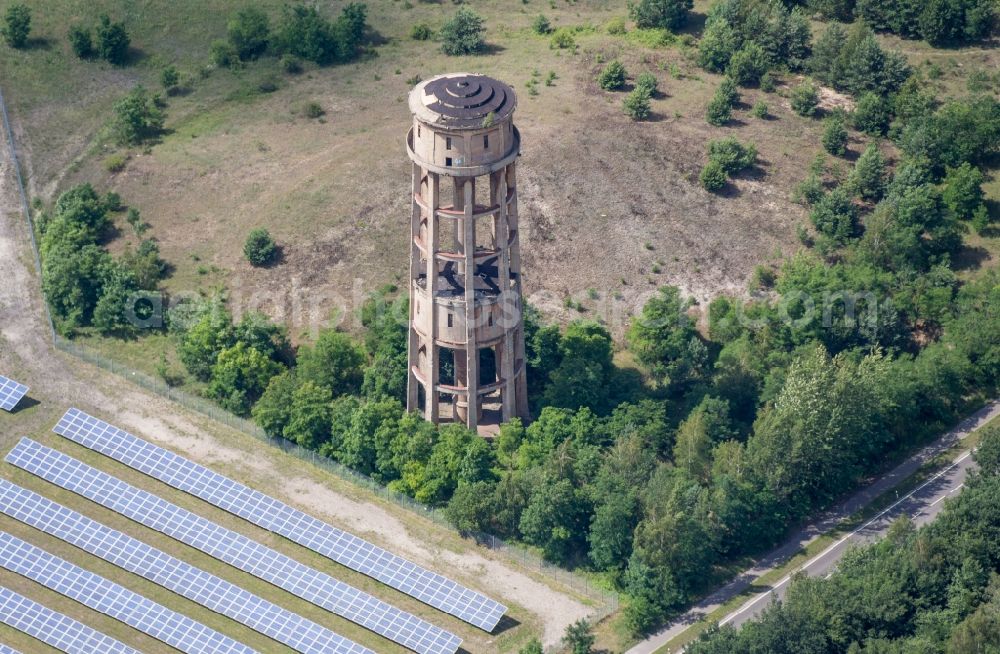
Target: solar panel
x,y
55,629
11,393
173,574
232,548
96,592
7,650
271,514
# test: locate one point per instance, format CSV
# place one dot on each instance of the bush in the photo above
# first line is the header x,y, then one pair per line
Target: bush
x,y
759,110
835,136
562,39
291,64
871,115
748,64
713,176
732,155
115,163
421,32
647,81
81,41
541,25
223,54
170,78
112,41
313,110
613,76
249,32
259,248
834,216
463,34
809,191
805,99
17,25
767,83
665,14
636,103
616,26
136,118
728,92
719,112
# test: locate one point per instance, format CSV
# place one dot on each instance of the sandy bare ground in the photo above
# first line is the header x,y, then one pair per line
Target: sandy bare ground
x,y
60,381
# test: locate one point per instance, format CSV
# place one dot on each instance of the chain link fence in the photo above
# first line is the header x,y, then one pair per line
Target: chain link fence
x,y
606,602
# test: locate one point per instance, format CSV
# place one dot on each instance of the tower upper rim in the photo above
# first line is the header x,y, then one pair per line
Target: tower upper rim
x,y
462,101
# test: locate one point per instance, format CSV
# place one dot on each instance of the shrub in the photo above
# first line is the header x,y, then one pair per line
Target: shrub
x,y
249,32
136,118
115,163
421,32
647,81
759,110
636,103
732,155
17,25
112,41
834,216
767,83
805,99
835,136
612,77
809,191
541,25
666,14
313,110
719,112
259,248
562,39
291,64
868,177
81,41
748,64
616,26
170,78
713,176
463,34
728,92
223,54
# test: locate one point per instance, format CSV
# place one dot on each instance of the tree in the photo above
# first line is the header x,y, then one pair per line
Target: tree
x,y
578,638
664,14
988,452
201,344
612,77
136,118
541,25
584,368
647,81
259,248
112,41
636,103
463,34
170,78
748,64
869,176
334,362
871,114
117,287
835,135
963,191
309,416
713,176
17,25
805,99
717,46
249,31
273,410
721,106
239,378
304,33
81,41
835,216
664,339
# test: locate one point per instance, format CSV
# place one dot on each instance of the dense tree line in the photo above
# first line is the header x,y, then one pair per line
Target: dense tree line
x,y
84,284
933,589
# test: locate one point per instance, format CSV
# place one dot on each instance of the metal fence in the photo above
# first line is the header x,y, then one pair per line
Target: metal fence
x,y
606,601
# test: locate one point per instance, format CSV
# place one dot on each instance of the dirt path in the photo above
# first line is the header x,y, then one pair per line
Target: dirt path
x,y
61,381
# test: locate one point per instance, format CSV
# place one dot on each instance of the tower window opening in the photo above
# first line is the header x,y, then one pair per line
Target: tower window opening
x,y
447,161
451,319
490,320
486,140
447,143
418,131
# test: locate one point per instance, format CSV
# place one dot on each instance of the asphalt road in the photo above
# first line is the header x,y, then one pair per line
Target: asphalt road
x,y
923,504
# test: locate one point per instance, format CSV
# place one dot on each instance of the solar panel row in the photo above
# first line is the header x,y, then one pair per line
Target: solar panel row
x,y
233,548
96,592
344,548
55,629
7,650
173,574
11,393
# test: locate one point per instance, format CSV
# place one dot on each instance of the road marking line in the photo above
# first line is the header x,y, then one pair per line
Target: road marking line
x,y
748,605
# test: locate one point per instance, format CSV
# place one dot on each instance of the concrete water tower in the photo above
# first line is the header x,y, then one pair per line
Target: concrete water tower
x,y
466,348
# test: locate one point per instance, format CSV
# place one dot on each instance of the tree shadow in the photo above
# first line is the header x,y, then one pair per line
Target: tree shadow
x,y
490,49
695,23
38,43
276,259
970,258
